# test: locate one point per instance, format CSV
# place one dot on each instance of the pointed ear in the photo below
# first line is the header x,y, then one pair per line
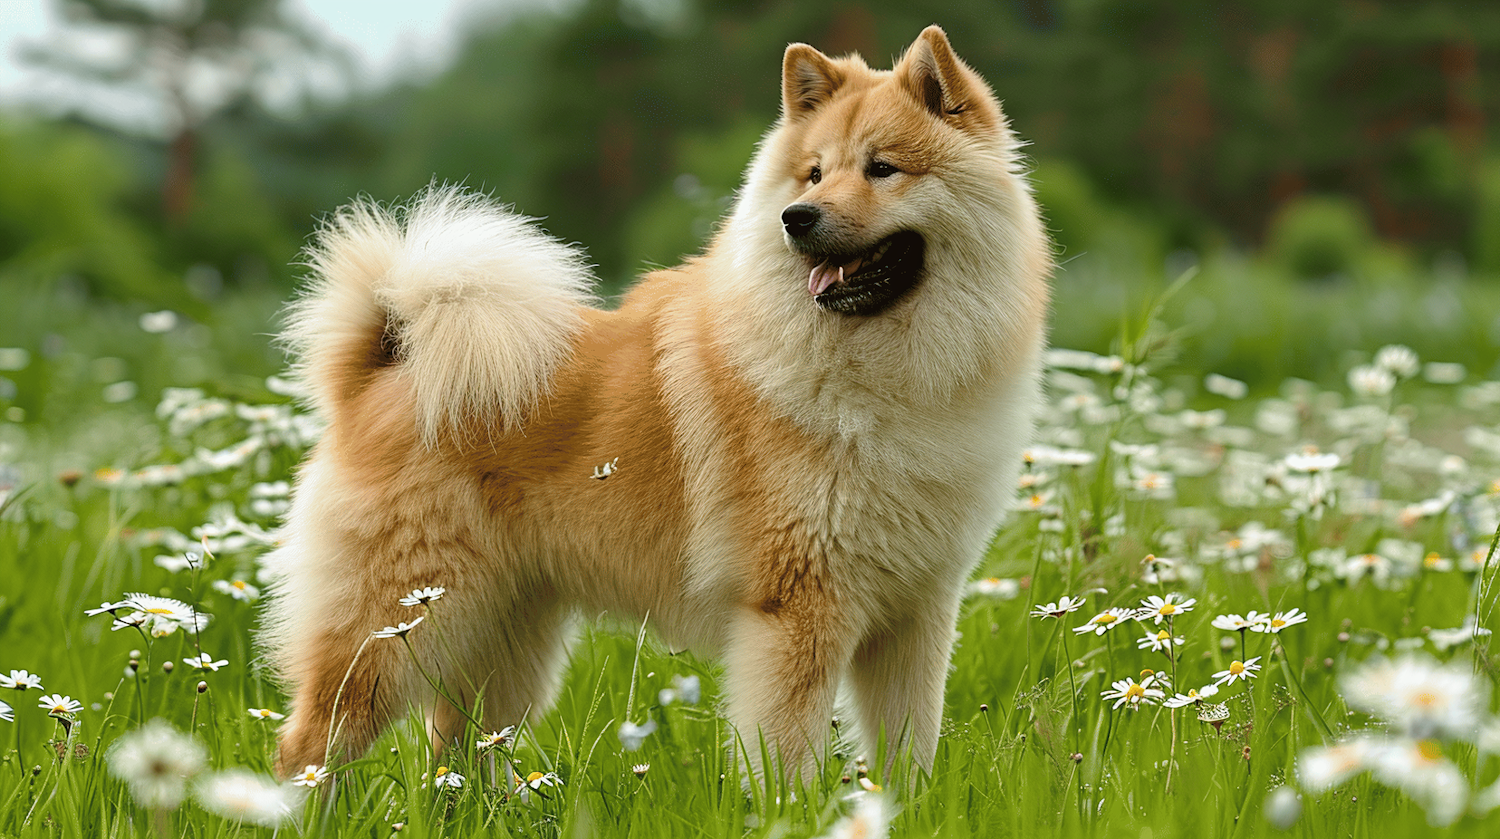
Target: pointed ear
x,y
940,80
808,80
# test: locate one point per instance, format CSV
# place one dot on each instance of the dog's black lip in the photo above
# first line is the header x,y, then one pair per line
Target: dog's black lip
x,y
876,285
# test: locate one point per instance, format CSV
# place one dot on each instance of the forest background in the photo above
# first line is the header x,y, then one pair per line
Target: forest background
x,y
1304,156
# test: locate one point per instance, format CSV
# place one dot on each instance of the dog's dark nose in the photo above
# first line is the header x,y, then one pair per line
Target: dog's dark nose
x,y
800,219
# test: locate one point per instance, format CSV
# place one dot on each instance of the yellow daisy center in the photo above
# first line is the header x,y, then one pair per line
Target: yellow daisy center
x,y
1426,699
1277,623
1430,750
1135,692
441,771
1192,693
1105,619
157,611
1163,635
1168,609
1237,668
1432,560
535,776
239,584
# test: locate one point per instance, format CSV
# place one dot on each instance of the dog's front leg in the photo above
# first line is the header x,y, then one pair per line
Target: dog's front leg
x,y
898,675
784,661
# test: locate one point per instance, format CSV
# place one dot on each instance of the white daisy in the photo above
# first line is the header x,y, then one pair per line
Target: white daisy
x,y
1063,606
1231,623
165,615
6,713
1400,360
246,797
445,777
1132,693
399,630
1192,697
1238,671
311,776
1368,380
1311,461
496,738
1158,609
60,706
423,596
204,661
1104,621
534,783
1420,696
238,589
266,714
1159,642
1281,620
21,680
156,761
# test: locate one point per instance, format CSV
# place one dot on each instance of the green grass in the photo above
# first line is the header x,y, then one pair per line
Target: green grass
x,y
1029,747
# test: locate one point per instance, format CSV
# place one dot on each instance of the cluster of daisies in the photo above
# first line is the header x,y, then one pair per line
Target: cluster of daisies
x,y
264,429
1302,458
1161,613
64,709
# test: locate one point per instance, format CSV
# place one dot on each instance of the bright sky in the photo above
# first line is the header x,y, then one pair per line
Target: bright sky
x,y
387,38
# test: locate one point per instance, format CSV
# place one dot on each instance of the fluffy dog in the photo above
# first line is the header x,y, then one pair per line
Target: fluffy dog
x,y
812,429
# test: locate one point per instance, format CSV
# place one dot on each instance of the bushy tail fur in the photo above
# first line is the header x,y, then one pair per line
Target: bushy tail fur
x,y
475,304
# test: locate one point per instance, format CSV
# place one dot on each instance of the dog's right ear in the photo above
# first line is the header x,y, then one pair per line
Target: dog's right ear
x,y
808,80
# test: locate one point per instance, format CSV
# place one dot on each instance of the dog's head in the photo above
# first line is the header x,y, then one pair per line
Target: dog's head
x,y
876,164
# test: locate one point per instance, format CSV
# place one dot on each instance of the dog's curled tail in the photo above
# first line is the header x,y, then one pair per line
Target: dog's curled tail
x,y
476,305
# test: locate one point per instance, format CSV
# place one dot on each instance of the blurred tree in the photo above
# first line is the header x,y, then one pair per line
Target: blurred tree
x,y
188,58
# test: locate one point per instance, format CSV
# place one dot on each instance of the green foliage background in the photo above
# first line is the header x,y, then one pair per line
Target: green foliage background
x,y
1328,171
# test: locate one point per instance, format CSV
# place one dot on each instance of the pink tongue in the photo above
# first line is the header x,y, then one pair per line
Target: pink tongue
x,y
823,276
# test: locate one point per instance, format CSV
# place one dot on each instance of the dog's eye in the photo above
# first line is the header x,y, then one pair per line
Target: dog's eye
x,y
816,175
881,169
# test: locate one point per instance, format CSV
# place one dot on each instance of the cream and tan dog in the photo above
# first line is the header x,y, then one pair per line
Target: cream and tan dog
x,y
814,427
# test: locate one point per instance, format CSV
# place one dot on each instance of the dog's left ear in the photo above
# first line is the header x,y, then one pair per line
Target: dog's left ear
x,y
808,79
942,82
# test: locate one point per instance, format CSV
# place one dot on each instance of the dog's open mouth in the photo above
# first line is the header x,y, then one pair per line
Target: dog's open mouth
x,y
866,283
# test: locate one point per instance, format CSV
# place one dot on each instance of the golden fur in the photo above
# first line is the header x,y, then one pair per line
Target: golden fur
x,y
800,492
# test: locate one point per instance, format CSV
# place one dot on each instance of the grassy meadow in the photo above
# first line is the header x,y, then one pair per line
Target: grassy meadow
x,y
1238,445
